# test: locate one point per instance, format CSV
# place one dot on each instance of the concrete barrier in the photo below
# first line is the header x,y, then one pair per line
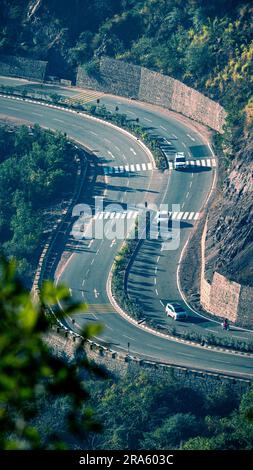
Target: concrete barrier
x,y
22,67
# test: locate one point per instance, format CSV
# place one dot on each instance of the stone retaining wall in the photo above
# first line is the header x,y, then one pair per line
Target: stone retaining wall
x,y
225,298
119,364
115,77
120,78
12,66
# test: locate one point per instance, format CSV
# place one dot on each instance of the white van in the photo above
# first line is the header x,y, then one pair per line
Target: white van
x,y
180,161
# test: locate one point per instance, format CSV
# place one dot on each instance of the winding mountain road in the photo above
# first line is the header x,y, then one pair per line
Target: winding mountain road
x,y
125,174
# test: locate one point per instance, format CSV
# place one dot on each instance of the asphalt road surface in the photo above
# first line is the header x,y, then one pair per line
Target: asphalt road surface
x,y
153,275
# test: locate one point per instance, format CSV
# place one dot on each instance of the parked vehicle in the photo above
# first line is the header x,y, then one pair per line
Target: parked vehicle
x,y
176,311
180,161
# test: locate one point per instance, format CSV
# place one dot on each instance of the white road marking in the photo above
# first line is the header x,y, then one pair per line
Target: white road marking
x,y
146,119
70,291
96,293
110,153
184,144
36,114
83,282
132,150
185,354
190,137
163,128
156,291
155,280
161,302
222,362
191,216
128,337
58,120
187,195
91,241
12,108
92,132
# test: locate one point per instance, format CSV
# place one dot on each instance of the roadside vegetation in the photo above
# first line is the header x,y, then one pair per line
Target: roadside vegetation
x,y
31,375
50,402
207,45
37,168
133,308
100,111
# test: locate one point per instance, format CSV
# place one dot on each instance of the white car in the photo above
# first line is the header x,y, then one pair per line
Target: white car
x,y
175,311
180,161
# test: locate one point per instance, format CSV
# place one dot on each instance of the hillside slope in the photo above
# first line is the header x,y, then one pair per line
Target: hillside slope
x,y
207,45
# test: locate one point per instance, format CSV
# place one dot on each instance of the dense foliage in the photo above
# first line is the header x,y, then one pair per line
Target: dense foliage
x,y
36,169
29,373
208,45
140,412
48,402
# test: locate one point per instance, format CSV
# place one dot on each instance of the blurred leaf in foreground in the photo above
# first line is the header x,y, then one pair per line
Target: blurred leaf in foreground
x,y
30,373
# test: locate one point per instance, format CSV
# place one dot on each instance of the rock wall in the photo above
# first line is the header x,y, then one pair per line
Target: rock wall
x,y
223,297
121,78
119,364
115,77
22,67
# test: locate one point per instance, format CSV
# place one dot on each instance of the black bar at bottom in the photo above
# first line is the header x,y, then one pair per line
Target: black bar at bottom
x,y
111,459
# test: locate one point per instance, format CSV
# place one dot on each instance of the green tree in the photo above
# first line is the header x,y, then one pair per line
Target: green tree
x,y
29,372
172,432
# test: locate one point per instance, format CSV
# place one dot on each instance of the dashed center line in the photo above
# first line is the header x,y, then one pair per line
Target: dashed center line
x,y
36,114
58,120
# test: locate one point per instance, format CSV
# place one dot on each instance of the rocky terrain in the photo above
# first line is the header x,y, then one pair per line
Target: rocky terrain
x,y
229,247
